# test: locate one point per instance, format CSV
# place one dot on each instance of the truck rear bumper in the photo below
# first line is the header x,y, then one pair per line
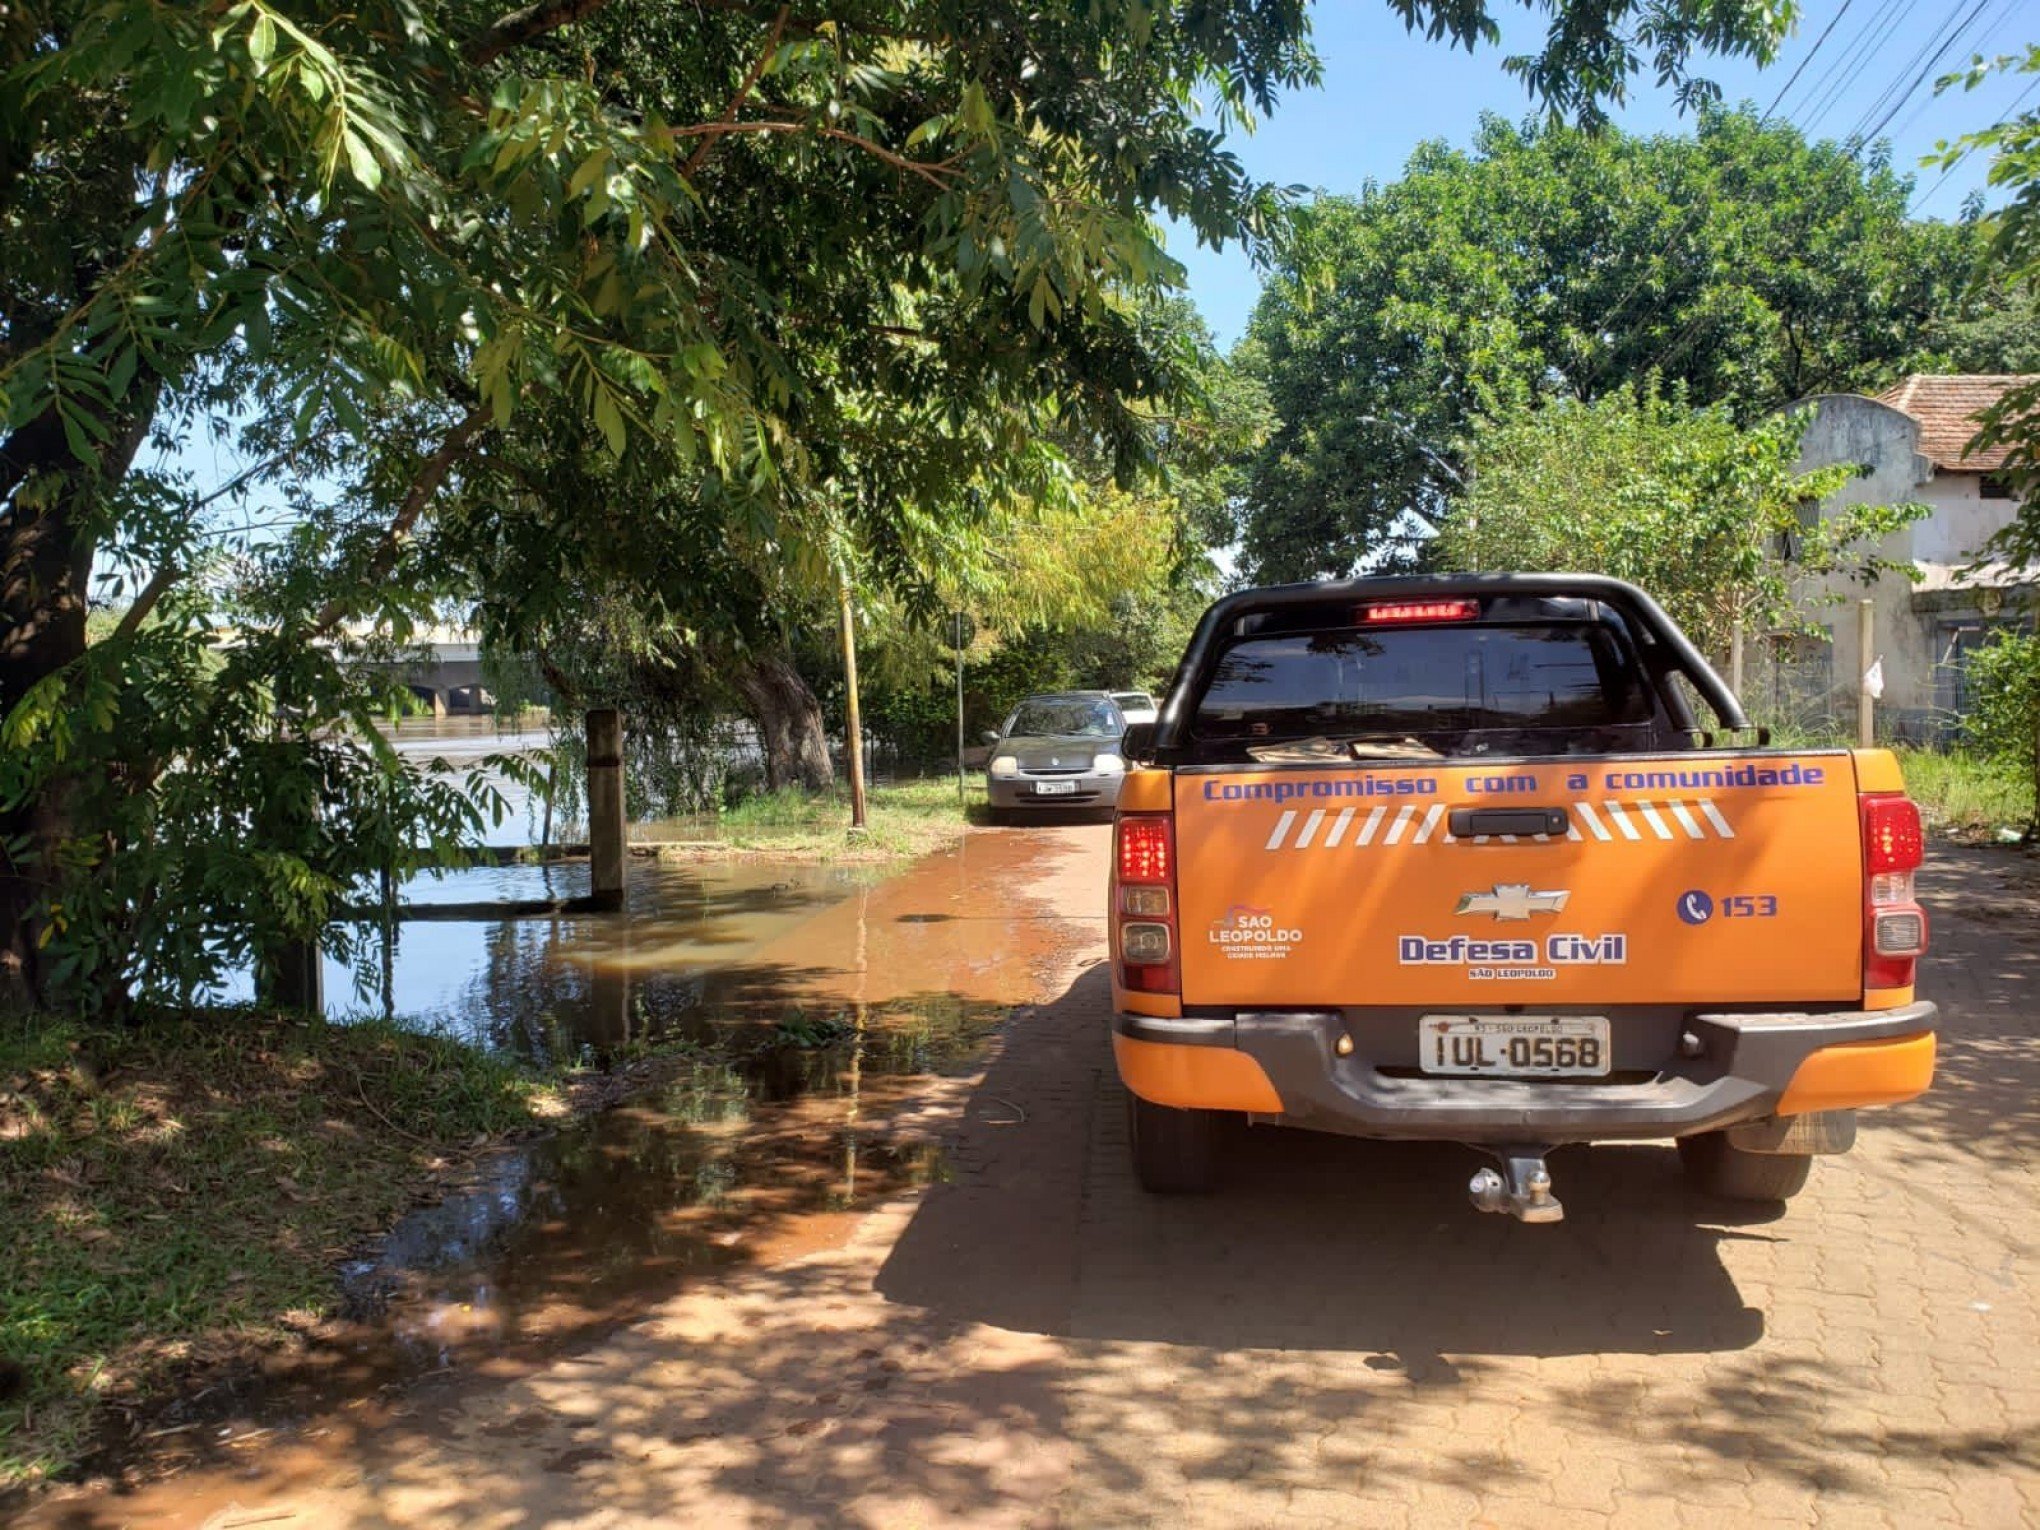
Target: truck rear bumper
x,y
1747,1066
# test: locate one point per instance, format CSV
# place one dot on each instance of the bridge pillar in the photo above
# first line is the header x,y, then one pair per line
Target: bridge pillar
x,y
605,806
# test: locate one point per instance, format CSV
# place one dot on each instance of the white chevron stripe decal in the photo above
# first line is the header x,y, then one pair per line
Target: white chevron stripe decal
x,y
1637,822
1281,830
1338,828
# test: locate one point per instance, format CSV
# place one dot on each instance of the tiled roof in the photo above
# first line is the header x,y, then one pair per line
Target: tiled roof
x,y
1947,407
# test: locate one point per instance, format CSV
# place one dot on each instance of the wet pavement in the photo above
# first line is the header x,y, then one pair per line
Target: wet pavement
x,y
795,1079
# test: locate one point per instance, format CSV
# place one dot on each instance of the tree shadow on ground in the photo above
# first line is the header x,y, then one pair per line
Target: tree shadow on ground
x,y
1317,1242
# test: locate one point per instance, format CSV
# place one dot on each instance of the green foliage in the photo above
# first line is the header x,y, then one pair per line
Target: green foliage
x,y
1678,500
2004,720
642,307
2011,259
1966,793
1742,263
220,814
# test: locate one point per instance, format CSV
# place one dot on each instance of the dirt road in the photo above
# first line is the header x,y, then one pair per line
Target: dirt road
x,y
1334,1338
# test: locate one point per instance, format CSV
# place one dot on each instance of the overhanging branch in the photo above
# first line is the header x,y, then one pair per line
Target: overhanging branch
x,y
520,26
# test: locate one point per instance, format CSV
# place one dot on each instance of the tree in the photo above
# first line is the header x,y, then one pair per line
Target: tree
x,y
403,233
2004,725
1679,500
1742,263
2011,258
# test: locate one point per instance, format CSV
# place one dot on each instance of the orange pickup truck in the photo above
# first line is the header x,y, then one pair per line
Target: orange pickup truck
x,y
1456,858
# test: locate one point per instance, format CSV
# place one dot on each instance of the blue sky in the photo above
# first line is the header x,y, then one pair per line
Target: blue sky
x,y
1386,91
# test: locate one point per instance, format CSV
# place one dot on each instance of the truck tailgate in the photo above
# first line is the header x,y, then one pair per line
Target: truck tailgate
x,y
1710,878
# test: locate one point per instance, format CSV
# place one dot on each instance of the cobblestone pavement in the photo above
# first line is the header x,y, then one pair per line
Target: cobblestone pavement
x,y
1333,1338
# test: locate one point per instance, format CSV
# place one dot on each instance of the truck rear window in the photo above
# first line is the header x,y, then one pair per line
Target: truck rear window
x,y
1424,680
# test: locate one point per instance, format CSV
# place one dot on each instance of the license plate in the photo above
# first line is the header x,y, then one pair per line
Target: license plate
x,y
1055,788
1513,1046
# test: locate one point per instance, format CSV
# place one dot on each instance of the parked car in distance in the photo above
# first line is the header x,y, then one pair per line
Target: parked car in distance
x,y
1057,751
1136,706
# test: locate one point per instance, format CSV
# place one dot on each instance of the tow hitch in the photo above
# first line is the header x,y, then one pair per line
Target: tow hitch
x,y
1522,1189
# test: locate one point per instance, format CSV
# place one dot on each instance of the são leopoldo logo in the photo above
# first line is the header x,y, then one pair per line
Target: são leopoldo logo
x,y
1246,933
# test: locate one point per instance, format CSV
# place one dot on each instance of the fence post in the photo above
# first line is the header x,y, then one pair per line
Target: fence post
x,y
605,807
1866,704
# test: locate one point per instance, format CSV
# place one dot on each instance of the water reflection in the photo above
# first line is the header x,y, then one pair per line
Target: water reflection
x,y
560,988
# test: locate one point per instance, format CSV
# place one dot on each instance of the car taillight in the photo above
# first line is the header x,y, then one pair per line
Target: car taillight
x,y
1145,853
1894,925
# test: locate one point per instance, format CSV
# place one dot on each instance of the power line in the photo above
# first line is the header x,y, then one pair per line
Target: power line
x,y
1926,70
1869,40
2010,111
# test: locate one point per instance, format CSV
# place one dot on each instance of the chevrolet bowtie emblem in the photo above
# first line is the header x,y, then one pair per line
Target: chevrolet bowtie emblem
x,y
1512,900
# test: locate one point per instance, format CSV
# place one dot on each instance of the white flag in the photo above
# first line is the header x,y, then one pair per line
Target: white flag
x,y
1873,679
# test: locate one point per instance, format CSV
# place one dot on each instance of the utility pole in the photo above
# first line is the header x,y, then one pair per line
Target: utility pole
x,y
959,642
853,732
1866,704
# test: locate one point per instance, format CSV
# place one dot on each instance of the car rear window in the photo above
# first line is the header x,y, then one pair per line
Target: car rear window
x,y
1419,680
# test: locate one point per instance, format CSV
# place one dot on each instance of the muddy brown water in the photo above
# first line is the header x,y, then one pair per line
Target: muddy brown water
x,y
813,1016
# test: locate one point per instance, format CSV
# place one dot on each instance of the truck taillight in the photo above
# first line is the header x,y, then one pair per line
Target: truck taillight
x,y
1387,613
1145,919
1894,925
1147,850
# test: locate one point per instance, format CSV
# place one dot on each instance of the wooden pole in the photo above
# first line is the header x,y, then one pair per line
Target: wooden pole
x,y
961,800
1866,704
605,807
853,728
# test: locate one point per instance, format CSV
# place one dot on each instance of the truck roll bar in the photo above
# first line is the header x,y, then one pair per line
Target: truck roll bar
x,y
1643,613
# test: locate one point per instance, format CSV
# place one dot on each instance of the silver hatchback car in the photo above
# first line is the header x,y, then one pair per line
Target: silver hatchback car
x,y
1057,751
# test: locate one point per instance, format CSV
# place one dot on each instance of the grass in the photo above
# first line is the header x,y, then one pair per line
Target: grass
x,y
1967,795
904,819
179,1192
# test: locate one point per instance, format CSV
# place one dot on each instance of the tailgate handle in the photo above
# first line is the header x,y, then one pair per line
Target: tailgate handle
x,y
1471,823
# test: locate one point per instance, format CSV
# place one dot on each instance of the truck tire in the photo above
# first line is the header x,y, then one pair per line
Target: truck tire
x,y
1171,1148
1719,1168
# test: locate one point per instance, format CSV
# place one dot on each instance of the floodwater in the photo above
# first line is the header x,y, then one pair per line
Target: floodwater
x,y
580,986
806,1060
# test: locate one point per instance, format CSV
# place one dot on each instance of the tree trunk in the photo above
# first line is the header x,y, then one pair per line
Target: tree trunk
x,y
789,720
46,551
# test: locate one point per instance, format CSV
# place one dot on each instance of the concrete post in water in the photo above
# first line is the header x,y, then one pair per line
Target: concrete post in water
x,y
1866,703
605,806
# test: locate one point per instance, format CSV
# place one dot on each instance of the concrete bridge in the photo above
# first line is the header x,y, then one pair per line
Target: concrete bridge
x,y
442,668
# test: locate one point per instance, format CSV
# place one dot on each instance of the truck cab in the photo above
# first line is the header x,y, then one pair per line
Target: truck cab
x,y
1486,859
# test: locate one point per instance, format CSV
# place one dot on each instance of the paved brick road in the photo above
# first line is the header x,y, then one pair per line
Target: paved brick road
x,y
1335,1338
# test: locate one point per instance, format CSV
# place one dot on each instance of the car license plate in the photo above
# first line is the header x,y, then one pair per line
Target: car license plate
x,y
1514,1046
1055,788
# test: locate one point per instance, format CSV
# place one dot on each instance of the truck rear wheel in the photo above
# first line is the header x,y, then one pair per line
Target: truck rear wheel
x,y
1719,1168
1171,1148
